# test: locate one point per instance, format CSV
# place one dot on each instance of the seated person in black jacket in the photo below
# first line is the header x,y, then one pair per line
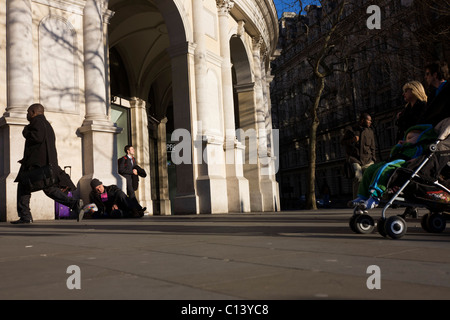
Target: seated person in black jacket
x,y
113,202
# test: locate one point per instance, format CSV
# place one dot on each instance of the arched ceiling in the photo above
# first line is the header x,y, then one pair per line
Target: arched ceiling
x,y
138,33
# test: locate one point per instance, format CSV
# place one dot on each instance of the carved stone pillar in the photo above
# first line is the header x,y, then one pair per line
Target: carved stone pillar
x,y
20,57
19,96
140,138
183,83
259,95
94,64
268,186
248,136
237,185
211,172
164,199
99,133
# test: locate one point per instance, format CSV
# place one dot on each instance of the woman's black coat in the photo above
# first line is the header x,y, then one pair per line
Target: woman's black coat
x,y
409,116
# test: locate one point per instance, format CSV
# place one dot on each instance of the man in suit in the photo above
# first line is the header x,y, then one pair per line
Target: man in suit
x,y
40,150
130,170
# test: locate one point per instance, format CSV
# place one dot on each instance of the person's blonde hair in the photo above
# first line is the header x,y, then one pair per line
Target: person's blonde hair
x,y
417,90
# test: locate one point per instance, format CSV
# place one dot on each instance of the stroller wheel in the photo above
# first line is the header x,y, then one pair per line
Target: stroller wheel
x,y
363,223
436,223
424,222
395,227
351,223
380,227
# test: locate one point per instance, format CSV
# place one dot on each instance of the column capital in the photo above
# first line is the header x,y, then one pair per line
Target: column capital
x,y
107,16
136,102
163,120
181,49
241,28
244,87
224,6
257,42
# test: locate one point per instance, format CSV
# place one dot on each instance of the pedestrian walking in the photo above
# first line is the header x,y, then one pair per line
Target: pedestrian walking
x,y
39,168
360,148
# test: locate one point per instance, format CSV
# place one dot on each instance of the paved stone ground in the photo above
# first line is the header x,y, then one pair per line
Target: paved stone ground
x,y
298,255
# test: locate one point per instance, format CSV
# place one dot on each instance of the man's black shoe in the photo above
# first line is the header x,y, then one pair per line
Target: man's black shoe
x,y
142,212
21,221
137,213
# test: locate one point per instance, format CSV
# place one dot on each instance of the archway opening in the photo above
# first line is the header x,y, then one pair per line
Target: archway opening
x,y
141,81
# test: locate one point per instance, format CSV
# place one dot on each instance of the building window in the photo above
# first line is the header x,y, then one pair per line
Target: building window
x,y
120,116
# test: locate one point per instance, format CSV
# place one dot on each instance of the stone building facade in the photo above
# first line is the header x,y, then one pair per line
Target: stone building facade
x,y
174,78
371,67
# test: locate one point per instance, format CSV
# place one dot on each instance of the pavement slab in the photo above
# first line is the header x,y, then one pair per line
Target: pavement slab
x,y
294,255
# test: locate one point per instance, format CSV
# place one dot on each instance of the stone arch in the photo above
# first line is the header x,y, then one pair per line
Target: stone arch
x,y
179,28
152,39
242,81
245,117
241,61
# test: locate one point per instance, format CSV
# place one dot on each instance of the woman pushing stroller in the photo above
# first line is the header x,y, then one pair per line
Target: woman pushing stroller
x,y
412,141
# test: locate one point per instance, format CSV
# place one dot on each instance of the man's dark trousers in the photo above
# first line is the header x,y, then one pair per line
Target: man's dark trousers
x,y
53,192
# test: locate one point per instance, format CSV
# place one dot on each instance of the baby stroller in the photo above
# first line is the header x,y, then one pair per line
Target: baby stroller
x,y
424,183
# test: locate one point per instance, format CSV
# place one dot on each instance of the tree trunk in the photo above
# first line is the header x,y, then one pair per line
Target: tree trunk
x,y
311,196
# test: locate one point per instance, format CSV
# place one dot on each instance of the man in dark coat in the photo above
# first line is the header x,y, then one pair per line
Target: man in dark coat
x,y
113,202
40,150
438,106
359,143
130,170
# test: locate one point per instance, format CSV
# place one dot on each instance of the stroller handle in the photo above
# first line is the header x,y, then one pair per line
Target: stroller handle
x,y
443,129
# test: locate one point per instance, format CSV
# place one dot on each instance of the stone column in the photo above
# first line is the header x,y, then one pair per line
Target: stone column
x,y
224,7
200,63
20,57
259,95
248,136
267,184
164,200
140,138
183,88
94,64
211,172
99,133
237,185
19,82
273,142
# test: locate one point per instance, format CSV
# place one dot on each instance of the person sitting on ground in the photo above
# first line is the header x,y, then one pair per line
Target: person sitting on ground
x,y
375,178
112,202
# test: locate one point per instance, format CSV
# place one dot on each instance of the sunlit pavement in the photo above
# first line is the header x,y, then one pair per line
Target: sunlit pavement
x,y
293,255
